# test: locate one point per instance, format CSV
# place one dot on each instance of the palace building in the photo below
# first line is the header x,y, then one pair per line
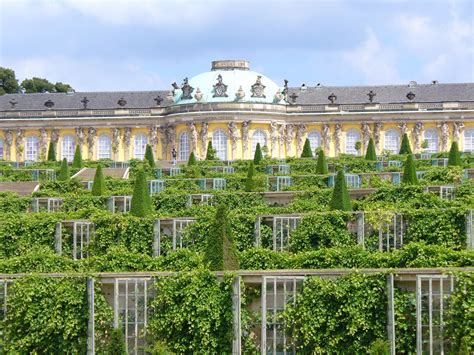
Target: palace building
x,y
235,108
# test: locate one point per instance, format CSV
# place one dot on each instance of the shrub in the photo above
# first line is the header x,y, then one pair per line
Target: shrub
x,y
98,186
454,155
249,183
409,172
306,153
258,156
77,162
405,146
370,154
149,156
192,159
340,196
64,172
211,152
321,165
52,152
141,203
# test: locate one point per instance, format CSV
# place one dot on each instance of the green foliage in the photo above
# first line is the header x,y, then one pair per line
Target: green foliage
x,y
340,196
61,87
52,151
249,182
306,153
116,345
258,155
8,82
192,159
141,203
64,172
39,85
77,162
211,152
98,186
454,155
370,154
149,156
405,146
409,172
321,165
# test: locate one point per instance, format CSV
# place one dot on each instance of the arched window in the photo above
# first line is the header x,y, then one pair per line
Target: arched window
x,y
219,143
32,148
392,141
184,146
1,150
258,136
139,145
469,140
104,147
67,148
431,137
352,137
314,140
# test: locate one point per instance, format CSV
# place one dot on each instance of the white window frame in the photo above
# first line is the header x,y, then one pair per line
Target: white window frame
x,y
219,143
258,136
68,146
352,137
139,145
432,137
391,141
104,147
469,140
314,140
32,148
184,146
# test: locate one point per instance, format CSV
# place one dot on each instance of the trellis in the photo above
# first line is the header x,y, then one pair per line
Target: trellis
x,y
36,174
155,186
171,230
353,181
281,225
277,169
279,183
444,192
80,233
119,204
470,229
443,162
212,183
46,204
222,169
199,199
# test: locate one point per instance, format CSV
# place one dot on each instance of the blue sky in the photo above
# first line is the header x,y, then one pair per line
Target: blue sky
x,y
146,45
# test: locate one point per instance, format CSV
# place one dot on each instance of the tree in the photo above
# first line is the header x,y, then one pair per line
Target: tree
x,y
306,153
454,155
340,195
321,164
211,152
77,162
220,250
40,85
141,203
52,152
61,87
64,172
258,156
405,146
409,172
370,154
192,159
149,156
98,186
249,183
8,82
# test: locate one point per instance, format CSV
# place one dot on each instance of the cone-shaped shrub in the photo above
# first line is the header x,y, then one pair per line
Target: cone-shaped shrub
x,y
306,153
98,186
52,152
454,155
409,172
249,183
370,154
64,172
211,153
149,156
405,146
321,165
340,195
192,159
220,252
141,203
257,156
77,162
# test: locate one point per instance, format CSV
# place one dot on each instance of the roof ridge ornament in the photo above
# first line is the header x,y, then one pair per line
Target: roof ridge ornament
x,y
49,103
158,99
371,95
332,98
187,90
84,102
410,96
13,103
122,102
258,88
240,94
220,89
198,95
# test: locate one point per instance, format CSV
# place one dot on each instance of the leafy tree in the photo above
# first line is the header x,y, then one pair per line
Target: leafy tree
x,y
77,162
98,186
249,183
306,153
454,155
220,252
211,152
370,154
61,87
141,203
64,172
52,152
8,82
405,146
258,156
409,172
321,164
192,159
340,195
149,156
116,343
40,85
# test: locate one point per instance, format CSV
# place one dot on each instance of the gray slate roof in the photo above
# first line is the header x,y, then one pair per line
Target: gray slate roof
x,y
309,96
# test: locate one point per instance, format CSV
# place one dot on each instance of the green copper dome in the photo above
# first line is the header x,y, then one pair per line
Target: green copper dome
x,y
228,81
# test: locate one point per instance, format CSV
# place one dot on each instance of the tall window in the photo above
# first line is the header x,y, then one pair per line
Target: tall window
x,y
314,140
104,147
431,136
392,141
219,143
184,148
32,148
67,148
139,145
1,150
352,137
258,136
469,140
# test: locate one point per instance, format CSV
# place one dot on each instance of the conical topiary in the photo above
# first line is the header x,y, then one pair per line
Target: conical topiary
x,y
454,155
141,203
370,153
220,252
249,183
306,153
98,186
64,172
340,195
149,156
210,153
409,172
405,146
321,165
192,159
77,162
52,152
257,156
